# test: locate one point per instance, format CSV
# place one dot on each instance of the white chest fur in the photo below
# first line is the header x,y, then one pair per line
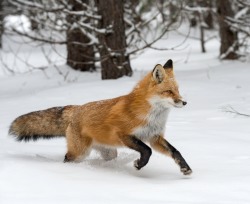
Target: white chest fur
x,y
156,121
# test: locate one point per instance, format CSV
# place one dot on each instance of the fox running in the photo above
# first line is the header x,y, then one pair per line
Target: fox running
x,y
131,120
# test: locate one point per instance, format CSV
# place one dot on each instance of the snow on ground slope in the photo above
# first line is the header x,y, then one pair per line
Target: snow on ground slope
x,y
214,143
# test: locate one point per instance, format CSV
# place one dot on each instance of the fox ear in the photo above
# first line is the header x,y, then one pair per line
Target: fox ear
x,y
168,64
158,73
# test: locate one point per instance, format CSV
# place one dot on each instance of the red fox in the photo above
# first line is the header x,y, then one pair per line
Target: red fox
x,y
130,120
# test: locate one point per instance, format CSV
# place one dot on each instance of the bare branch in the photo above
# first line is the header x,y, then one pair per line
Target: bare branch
x,y
50,40
230,109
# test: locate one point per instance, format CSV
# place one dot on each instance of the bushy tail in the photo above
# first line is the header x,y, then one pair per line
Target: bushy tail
x,y
44,124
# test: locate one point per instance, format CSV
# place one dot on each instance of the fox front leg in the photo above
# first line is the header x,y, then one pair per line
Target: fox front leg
x,y
145,151
163,146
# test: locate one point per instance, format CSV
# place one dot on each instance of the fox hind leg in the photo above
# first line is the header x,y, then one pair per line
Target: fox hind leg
x,y
78,145
161,145
78,150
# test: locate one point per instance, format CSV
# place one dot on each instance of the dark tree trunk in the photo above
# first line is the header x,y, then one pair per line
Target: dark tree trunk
x,y
229,38
80,55
209,19
203,48
33,22
173,10
202,33
114,61
207,16
1,22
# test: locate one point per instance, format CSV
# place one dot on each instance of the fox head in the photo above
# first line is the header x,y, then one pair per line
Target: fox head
x,y
164,88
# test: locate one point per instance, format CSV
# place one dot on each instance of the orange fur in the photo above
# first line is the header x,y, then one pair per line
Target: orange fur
x,y
104,125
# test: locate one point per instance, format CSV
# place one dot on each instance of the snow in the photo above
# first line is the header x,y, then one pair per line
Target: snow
x,y
20,23
241,13
214,143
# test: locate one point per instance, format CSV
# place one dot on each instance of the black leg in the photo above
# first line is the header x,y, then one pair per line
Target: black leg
x,y
185,169
133,143
163,146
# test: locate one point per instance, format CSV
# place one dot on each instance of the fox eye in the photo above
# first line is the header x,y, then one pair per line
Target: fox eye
x,y
168,92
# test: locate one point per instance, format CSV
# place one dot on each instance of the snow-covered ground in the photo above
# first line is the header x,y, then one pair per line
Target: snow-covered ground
x,y
216,144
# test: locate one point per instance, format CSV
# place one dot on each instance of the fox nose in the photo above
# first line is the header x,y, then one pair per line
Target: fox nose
x,y
184,103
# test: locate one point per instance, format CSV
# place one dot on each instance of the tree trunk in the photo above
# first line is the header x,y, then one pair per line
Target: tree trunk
x,y
229,38
209,19
80,56
33,22
1,22
208,15
114,61
203,48
202,33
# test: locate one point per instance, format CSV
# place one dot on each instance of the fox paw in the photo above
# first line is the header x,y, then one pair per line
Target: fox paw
x,y
186,171
136,164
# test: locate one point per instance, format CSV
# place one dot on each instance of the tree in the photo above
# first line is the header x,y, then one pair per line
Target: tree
x,y
228,36
1,22
108,32
200,14
73,23
80,52
112,45
240,23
